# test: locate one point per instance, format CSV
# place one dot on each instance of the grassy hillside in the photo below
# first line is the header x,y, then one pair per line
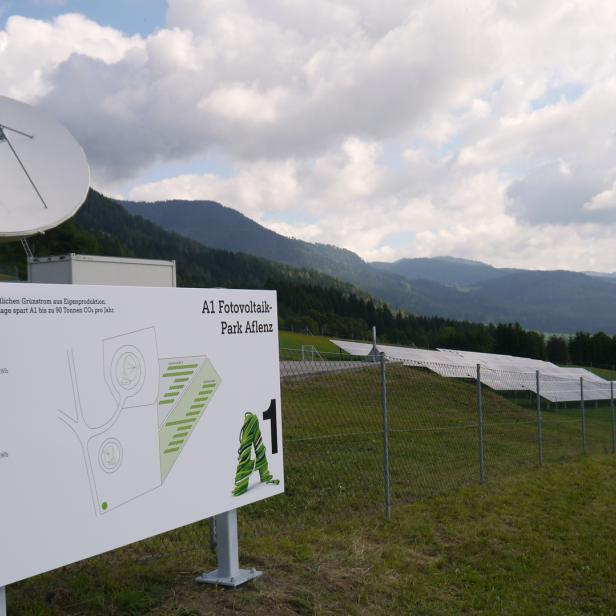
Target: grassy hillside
x,y
293,341
433,434
531,541
604,373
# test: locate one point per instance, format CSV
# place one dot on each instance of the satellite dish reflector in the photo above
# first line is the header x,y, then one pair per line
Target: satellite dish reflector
x,y
44,174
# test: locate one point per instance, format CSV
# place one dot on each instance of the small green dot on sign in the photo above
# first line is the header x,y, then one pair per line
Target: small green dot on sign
x,y
104,506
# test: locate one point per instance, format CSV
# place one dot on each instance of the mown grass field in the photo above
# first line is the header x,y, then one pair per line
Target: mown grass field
x,y
604,373
530,541
293,341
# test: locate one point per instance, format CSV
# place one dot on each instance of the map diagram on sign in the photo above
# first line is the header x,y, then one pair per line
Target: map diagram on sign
x,y
156,404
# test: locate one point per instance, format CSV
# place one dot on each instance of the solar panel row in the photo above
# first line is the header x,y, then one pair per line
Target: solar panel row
x,y
499,372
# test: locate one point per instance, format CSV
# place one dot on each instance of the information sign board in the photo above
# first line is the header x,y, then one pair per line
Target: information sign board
x,y
129,411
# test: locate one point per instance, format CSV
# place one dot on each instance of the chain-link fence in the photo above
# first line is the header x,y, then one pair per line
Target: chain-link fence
x,y
362,431
333,433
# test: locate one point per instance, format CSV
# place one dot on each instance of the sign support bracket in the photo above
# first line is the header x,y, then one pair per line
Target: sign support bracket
x,y
228,572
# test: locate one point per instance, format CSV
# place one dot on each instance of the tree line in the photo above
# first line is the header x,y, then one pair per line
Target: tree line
x,y
332,312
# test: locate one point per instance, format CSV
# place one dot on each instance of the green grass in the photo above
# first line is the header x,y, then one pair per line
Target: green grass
x,y
538,543
531,541
294,341
604,373
533,544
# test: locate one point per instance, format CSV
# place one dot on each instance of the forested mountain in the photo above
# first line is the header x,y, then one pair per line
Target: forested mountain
x,y
216,226
306,299
444,286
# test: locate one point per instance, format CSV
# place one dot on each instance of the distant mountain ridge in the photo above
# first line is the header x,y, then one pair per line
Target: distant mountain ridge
x,y
461,272
446,270
217,226
607,276
551,301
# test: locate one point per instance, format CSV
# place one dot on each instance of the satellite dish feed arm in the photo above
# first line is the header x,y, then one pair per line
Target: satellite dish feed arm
x,y
3,127
5,138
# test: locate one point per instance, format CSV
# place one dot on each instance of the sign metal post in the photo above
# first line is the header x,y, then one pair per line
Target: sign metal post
x,y
228,572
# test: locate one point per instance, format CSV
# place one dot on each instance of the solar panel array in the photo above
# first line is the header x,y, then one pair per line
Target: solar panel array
x,y
499,372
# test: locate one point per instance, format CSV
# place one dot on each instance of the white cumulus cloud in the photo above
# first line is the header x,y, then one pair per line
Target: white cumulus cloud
x,y
482,129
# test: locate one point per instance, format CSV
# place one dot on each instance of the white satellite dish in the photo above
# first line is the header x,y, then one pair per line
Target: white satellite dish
x,y
44,174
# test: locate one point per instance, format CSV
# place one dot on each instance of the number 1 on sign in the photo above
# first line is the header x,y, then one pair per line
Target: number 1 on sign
x,y
270,415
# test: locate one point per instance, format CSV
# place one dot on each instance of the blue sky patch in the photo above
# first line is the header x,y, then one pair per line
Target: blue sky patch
x,y
296,218
129,16
569,92
215,163
399,239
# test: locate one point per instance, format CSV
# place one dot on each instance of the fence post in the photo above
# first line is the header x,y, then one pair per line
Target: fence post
x,y
613,418
583,414
385,438
539,434
482,475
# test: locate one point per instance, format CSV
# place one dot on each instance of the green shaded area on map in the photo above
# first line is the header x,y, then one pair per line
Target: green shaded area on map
x,y
186,387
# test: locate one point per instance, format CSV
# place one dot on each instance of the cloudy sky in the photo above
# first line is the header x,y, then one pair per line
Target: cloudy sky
x,y
394,128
